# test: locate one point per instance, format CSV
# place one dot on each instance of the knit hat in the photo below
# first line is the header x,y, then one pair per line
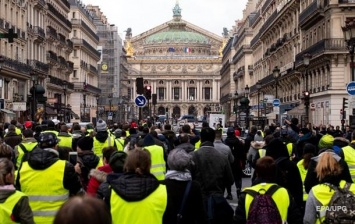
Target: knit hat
x,y
326,142
101,126
28,124
179,160
230,130
86,143
117,160
258,138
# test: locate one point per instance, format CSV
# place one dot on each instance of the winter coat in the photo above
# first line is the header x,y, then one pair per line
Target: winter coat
x,y
238,152
97,177
193,211
12,139
40,159
188,147
171,137
22,212
211,170
88,161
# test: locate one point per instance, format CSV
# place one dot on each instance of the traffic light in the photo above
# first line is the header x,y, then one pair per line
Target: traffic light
x,y
306,98
148,92
345,103
154,99
139,86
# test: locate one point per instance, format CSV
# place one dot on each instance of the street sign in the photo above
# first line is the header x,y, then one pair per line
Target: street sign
x,y
109,115
276,110
140,101
350,88
276,102
19,106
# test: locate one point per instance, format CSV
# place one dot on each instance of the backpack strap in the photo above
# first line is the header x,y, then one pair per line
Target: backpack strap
x,y
182,206
23,148
272,189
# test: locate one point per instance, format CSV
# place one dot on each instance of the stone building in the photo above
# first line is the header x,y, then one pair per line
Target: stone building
x,y
181,62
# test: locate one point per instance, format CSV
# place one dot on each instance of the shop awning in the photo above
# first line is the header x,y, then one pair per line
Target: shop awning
x,y
50,111
7,111
74,114
297,111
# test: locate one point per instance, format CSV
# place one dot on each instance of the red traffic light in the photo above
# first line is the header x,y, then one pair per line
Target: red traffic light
x,y
148,87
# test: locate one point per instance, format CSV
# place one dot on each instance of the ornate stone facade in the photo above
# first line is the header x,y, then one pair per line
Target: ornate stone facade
x,y
181,62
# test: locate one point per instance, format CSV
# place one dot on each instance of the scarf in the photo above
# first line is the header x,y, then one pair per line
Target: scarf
x,y
178,175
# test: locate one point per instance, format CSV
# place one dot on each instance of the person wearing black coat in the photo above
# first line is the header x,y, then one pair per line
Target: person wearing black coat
x,y
239,154
287,175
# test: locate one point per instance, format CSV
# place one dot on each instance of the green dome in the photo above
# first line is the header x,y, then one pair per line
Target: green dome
x,y
176,36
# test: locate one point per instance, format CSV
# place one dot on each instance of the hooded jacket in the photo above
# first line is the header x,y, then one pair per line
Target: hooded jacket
x,y
40,159
22,212
12,139
88,161
188,147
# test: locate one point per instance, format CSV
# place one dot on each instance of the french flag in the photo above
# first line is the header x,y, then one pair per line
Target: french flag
x,y
171,49
187,50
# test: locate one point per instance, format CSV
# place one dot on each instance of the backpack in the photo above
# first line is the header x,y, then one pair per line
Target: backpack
x,y
281,173
341,205
263,208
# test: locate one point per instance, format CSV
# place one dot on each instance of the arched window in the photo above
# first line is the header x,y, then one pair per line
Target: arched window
x,y
161,82
192,82
145,81
207,82
176,82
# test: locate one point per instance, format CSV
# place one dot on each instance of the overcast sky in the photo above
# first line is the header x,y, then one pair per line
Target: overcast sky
x,y
142,15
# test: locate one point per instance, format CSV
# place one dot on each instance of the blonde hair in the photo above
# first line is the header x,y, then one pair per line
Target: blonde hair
x,y
6,167
327,166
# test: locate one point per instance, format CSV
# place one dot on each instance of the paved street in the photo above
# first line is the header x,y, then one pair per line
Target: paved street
x,y
234,202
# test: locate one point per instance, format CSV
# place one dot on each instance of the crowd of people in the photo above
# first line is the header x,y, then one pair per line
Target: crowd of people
x,y
141,173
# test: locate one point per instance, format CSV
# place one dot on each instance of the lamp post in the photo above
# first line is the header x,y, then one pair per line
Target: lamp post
x,y
306,60
258,87
235,108
34,78
65,87
276,73
2,60
246,95
97,106
84,114
349,36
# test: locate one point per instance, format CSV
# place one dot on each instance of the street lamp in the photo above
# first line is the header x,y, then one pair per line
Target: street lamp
x,y
34,79
349,36
258,87
235,108
84,114
65,87
97,106
276,73
2,60
246,95
306,60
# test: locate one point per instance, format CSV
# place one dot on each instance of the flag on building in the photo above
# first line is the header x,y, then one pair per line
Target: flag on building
x,y
171,49
187,50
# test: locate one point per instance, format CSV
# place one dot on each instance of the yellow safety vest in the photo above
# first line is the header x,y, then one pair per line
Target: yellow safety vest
x,y
127,133
262,153
51,131
289,147
158,167
149,210
198,144
18,131
98,146
7,207
29,146
324,194
280,197
65,141
303,173
349,157
45,190
119,144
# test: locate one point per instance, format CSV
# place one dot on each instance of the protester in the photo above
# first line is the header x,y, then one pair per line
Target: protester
x,y
265,172
137,196
12,138
27,145
14,205
83,210
328,172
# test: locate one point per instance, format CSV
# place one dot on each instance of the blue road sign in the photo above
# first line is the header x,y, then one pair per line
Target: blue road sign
x,y
140,101
276,102
350,88
110,113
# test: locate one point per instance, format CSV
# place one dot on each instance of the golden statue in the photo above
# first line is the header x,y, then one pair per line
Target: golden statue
x,y
129,48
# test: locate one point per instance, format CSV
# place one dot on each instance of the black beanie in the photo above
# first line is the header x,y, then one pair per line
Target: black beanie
x,y
86,143
117,160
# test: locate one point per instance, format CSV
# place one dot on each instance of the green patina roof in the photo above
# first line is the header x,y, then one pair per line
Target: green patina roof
x,y
176,36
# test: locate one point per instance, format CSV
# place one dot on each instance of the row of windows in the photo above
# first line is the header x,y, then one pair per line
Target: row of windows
x,y
161,82
191,93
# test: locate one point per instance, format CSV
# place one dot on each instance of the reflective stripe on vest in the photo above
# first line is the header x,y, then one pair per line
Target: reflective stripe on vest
x,y
158,167
8,205
262,153
280,197
303,173
98,146
29,146
323,195
120,144
349,157
51,131
46,195
149,210
65,141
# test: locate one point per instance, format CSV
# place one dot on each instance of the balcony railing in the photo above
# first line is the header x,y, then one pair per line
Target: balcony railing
x,y
331,45
39,32
93,69
86,87
255,39
70,65
268,22
62,39
89,30
16,65
311,12
37,65
62,61
59,16
93,50
52,56
346,1
66,3
39,3
59,82
52,32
